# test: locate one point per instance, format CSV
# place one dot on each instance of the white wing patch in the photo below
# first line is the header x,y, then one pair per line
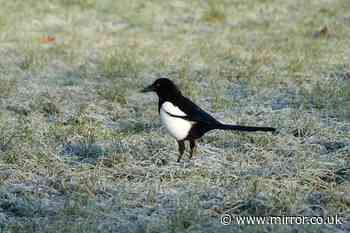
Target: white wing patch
x,y
172,109
177,127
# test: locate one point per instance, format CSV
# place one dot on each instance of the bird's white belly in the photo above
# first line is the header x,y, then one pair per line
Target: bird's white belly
x,y
177,127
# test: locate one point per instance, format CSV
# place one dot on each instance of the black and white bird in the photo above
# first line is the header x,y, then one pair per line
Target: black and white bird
x,y
184,120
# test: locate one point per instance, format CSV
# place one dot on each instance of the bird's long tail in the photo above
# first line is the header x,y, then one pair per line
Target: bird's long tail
x,y
244,128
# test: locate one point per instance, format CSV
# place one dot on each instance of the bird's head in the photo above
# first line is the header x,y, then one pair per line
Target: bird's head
x,y
164,88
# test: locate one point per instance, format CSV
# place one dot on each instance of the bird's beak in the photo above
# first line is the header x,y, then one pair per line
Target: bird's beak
x,y
148,89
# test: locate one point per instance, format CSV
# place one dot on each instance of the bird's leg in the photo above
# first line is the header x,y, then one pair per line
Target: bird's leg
x,y
193,147
181,149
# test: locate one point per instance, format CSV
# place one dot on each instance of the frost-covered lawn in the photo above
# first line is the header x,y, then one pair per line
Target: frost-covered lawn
x,y
81,150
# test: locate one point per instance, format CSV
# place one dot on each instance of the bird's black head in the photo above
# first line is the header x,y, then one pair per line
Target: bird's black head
x,y
164,88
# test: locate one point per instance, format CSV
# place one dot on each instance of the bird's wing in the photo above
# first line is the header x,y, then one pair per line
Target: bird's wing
x,y
188,110
173,110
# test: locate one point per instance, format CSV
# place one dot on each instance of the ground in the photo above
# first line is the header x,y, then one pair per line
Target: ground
x,y
82,150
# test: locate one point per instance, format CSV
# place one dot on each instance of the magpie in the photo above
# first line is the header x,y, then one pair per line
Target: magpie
x,y
184,120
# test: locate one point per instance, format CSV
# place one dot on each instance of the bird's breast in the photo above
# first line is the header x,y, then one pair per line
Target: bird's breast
x,y
176,126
